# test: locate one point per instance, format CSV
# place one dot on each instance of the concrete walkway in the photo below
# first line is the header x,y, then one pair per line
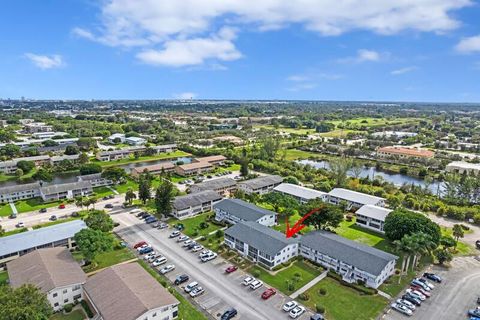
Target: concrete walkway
x,y
309,285
113,190
384,294
120,263
12,206
210,233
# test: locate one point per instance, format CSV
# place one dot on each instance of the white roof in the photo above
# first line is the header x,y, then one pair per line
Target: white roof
x,y
135,139
374,212
464,165
299,191
354,196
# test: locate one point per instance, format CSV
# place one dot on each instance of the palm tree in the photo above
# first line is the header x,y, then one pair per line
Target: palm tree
x,y
422,244
405,248
130,195
79,202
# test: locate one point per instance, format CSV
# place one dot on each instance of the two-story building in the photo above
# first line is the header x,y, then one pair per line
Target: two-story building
x,y
261,244
354,261
372,217
19,192
300,193
194,168
66,190
96,180
158,168
195,203
223,186
353,199
53,271
236,210
260,185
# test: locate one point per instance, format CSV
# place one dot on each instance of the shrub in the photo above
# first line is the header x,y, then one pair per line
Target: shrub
x,y
256,273
322,291
68,307
203,225
87,309
320,308
290,286
304,296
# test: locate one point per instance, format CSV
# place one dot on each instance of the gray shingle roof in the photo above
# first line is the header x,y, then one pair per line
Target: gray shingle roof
x,y
242,209
361,256
213,184
355,196
262,182
31,239
260,237
299,191
47,269
195,199
58,188
19,187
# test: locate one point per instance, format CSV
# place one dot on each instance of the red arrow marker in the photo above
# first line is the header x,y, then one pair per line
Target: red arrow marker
x,y
290,232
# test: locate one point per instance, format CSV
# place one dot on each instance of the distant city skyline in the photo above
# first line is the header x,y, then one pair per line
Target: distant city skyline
x,y
409,51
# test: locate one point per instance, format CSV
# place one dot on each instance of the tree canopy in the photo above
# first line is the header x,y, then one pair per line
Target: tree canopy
x,y
99,220
24,303
92,242
403,222
326,215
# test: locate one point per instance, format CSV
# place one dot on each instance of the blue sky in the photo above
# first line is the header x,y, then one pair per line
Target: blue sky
x,y
409,50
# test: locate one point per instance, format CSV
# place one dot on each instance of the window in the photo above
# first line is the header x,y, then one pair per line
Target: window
x,y
65,301
55,304
55,294
154,314
77,287
65,291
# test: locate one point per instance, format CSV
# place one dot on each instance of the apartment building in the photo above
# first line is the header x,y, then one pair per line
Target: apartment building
x,y
10,166
135,141
260,244
129,292
214,160
237,210
114,155
403,152
55,160
59,235
66,190
354,261
353,199
462,167
223,186
37,127
372,217
194,168
54,271
159,168
301,194
19,192
260,185
96,180
195,203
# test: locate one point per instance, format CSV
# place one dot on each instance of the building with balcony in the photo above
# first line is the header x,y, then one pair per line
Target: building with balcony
x,y
372,217
237,210
195,203
301,194
353,199
260,185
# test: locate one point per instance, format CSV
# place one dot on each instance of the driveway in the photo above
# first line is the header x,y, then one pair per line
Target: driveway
x,y
222,290
454,296
469,238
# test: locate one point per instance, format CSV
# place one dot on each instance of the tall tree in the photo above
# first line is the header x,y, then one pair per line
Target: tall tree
x,y
164,197
325,216
99,220
83,158
458,233
116,174
340,170
144,187
130,196
92,242
401,222
23,303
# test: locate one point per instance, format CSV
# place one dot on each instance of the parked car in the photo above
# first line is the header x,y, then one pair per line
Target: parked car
x,y
420,284
401,308
229,314
139,244
297,312
162,225
183,238
248,280
61,206
151,220
187,242
190,286
477,244
53,218
474,312
256,284
135,211
210,256
268,293
108,206
167,269
153,258
197,247
151,254
317,316
406,303
145,250
416,294
433,277
420,289
204,253
159,261
191,245
411,299
231,269
424,281
43,210
174,234
13,216
196,292
289,306
181,279
20,225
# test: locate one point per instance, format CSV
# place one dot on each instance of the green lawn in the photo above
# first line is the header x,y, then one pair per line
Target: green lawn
x,y
462,249
123,188
186,310
5,210
295,154
350,230
107,259
163,156
3,277
344,303
306,271
15,231
192,225
212,242
51,223
101,192
74,315
34,204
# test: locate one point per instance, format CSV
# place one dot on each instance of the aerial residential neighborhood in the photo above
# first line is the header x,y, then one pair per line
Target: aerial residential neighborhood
x,y
240,160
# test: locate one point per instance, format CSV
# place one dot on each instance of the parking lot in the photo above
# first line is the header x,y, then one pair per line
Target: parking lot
x,y
222,290
452,298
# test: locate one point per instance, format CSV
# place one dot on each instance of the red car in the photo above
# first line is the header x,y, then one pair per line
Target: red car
x,y
61,206
231,269
138,245
268,293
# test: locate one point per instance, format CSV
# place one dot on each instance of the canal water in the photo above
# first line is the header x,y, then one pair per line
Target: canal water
x,y
397,179
67,177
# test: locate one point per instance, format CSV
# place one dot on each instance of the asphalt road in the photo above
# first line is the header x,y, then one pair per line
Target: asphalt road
x,y
452,298
222,290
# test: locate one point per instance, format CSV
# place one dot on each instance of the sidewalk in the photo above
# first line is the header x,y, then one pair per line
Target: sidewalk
x,y
309,285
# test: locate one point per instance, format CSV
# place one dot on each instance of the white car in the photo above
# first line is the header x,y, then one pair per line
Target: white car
x,y
256,284
248,280
196,292
289,306
188,242
150,255
142,247
152,259
167,269
296,312
205,253
135,211
189,287
209,257
183,238
402,308
407,304
159,261
197,248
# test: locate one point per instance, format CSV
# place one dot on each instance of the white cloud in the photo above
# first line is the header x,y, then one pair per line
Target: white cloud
x,y
363,55
469,45
302,87
45,61
164,26
297,78
196,51
185,95
403,70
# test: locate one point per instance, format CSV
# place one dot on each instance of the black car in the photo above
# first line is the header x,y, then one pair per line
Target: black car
x,y
181,279
109,206
229,314
43,210
53,218
317,316
75,214
433,277
411,299
477,243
